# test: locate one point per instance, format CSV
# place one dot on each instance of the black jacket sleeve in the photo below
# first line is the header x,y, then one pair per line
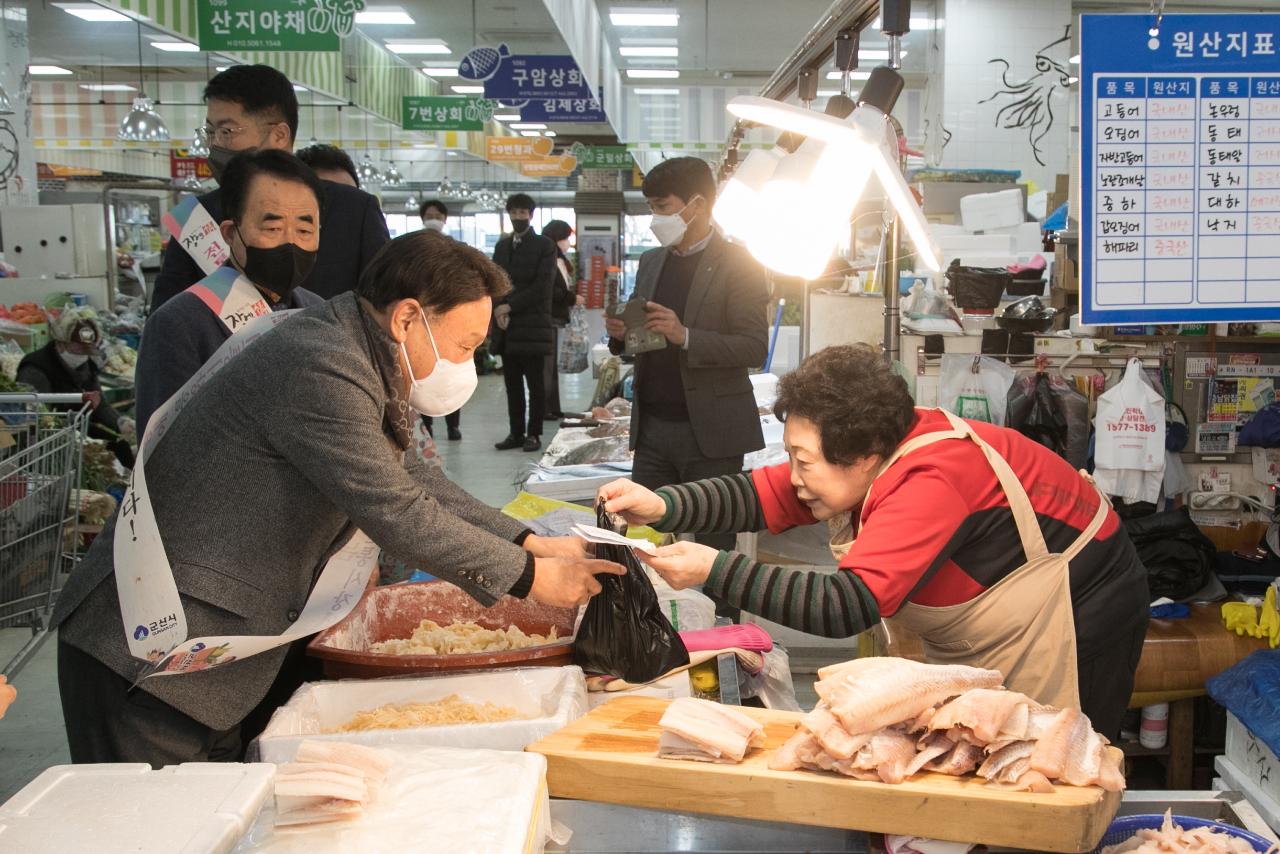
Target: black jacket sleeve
x,y
178,271
535,297
373,232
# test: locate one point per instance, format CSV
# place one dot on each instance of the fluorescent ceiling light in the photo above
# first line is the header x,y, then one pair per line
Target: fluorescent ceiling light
x,y
528,126
221,68
107,87
434,71
176,47
1075,60
298,88
418,46
452,153
652,73
649,51
640,90
468,90
643,18
853,75
92,12
548,133
48,69
507,117
384,15
530,133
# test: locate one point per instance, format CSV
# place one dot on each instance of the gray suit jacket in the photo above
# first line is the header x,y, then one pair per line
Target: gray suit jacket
x,y
729,334
265,474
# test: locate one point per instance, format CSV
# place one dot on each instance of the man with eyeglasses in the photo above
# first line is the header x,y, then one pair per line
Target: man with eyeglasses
x,y
254,107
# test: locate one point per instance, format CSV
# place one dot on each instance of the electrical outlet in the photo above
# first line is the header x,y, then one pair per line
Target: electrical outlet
x,y
1214,501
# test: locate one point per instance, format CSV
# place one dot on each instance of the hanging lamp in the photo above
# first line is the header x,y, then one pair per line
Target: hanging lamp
x,y
143,123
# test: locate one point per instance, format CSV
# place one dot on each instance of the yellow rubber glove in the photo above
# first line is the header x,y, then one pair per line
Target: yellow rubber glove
x,y
1269,624
1241,618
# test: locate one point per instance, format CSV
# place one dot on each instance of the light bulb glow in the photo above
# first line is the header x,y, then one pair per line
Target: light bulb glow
x,y
736,204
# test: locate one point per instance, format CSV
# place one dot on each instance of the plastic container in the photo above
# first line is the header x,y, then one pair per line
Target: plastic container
x,y
1253,758
1154,730
1124,828
550,698
196,808
1235,779
392,612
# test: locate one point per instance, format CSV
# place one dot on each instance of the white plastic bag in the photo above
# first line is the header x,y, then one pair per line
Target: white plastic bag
x,y
574,346
975,387
1130,425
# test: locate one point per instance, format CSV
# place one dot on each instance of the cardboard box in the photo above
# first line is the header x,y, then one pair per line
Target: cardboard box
x,y
1066,269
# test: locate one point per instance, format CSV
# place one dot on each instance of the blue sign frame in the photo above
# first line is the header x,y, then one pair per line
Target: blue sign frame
x,y
1193,58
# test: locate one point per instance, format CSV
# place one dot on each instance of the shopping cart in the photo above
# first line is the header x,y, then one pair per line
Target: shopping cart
x,y
40,455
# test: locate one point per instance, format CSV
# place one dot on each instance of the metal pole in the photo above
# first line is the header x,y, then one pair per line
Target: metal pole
x,y
890,268
108,219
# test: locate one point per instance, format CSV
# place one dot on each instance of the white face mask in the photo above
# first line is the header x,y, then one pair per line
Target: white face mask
x,y
564,246
447,387
433,224
74,360
670,228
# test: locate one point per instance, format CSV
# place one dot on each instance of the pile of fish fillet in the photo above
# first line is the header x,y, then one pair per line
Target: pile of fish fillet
x,y
1172,837
703,731
886,719
328,781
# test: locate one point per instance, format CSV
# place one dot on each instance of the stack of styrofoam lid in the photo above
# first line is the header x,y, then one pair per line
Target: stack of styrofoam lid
x,y
197,808
435,800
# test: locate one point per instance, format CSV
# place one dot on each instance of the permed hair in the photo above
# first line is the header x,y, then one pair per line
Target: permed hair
x,y
860,407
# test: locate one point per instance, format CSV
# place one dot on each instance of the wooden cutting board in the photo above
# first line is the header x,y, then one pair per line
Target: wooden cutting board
x,y
610,755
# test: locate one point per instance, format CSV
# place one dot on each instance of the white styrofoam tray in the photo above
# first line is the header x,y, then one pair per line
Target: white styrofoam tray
x,y
553,697
195,808
435,799
1253,758
1236,780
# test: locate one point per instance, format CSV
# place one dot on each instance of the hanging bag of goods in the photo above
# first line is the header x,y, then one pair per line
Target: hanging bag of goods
x,y
624,632
1130,425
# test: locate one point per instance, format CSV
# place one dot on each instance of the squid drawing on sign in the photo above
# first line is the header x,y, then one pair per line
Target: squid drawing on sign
x,y
1030,102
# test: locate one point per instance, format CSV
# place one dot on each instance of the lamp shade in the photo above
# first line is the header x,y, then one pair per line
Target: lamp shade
x,y
143,124
736,204
392,177
199,148
368,172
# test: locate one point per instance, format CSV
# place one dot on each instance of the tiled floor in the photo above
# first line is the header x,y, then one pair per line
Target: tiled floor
x,y
31,734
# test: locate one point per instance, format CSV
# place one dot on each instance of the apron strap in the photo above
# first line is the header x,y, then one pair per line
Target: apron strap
x,y
1095,525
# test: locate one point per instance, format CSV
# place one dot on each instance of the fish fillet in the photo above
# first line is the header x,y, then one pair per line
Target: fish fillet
x,y
1172,837
875,696
316,779
962,759
1067,736
672,746
1008,763
786,757
719,731
985,712
373,764
320,813
931,747
831,734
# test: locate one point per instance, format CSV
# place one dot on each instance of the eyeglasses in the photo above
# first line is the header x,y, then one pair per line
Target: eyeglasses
x,y
225,135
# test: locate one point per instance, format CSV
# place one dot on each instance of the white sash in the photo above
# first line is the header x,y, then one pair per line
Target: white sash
x,y
191,226
232,297
150,606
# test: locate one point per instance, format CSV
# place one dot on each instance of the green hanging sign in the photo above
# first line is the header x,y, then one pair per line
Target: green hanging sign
x,y
449,112
315,26
615,157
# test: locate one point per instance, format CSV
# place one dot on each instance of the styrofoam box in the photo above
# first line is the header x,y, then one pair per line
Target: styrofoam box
x,y
960,245
196,808
1253,758
1236,780
435,800
552,697
983,211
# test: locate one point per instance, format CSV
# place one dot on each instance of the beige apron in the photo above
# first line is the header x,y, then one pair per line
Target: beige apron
x,y
1022,626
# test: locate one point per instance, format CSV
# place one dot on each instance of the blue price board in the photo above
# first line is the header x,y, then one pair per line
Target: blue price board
x,y
563,110
520,77
1180,169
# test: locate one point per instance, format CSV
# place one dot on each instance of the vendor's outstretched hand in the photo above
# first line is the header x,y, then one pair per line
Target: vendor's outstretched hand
x,y
567,583
636,504
8,694
570,547
681,564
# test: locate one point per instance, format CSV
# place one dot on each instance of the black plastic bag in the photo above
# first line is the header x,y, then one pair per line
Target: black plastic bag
x,y
1048,410
624,632
1179,558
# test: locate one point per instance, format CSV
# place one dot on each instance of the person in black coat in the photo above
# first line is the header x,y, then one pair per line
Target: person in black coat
x,y
69,365
524,317
562,299
254,106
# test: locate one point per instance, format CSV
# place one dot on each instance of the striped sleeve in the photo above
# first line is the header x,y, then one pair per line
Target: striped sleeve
x,y
829,604
718,505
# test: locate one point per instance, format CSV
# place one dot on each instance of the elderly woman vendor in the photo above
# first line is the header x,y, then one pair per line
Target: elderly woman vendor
x,y
986,544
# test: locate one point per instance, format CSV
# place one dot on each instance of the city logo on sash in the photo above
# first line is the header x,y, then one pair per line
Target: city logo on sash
x,y
316,26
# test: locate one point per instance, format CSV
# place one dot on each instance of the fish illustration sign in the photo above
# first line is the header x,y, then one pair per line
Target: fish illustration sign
x,y
510,77
284,25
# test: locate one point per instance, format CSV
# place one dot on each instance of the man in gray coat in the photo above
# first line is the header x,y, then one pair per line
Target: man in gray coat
x,y
268,471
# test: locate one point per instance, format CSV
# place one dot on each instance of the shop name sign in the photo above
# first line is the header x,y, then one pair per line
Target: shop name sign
x,y
551,166
276,25
615,157
445,112
563,110
513,149
510,77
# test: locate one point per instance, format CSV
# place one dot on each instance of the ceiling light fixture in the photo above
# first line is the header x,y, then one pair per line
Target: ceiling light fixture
x,y
643,91
176,46
643,18
548,133
916,24
108,87
92,12
507,117
853,75
652,73
434,71
48,70
531,133
468,90
528,126
384,16
419,47
649,51
143,123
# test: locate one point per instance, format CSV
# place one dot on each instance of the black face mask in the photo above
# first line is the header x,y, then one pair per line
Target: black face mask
x,y
219,157
280,269
520,226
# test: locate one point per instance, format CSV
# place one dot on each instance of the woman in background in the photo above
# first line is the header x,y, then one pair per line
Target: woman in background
x,y
562,299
